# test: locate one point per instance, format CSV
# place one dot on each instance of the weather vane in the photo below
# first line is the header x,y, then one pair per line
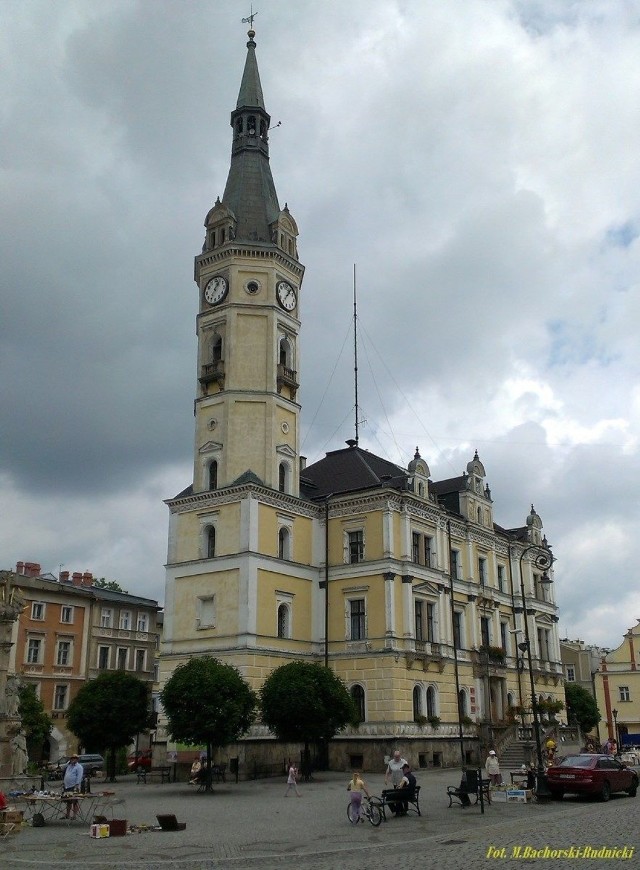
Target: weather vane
x,y
249,20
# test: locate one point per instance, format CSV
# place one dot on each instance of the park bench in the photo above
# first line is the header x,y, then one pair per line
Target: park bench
x,y
391,797
471,786
163,773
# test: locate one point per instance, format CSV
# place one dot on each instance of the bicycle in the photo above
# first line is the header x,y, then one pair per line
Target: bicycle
x,y
369,809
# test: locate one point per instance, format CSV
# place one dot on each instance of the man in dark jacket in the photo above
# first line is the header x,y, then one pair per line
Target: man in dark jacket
x,y
399,803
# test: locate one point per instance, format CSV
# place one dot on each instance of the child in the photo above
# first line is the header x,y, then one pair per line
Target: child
x,y
356,787
291,781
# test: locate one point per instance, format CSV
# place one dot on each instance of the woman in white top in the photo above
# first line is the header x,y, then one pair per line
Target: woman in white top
x,y
394,769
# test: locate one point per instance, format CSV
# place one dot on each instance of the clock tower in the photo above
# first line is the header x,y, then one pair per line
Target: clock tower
x,y
248,277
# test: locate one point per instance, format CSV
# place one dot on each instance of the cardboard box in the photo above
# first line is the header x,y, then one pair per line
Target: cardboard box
x,y
14,816
99,831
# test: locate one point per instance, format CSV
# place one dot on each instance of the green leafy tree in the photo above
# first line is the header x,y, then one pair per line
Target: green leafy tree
x,y
306,703
108,712
36,724
102,583
207,702
582,705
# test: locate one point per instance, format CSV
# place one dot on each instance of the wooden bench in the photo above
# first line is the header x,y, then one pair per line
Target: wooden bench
x,y
471,786
395,796
163,773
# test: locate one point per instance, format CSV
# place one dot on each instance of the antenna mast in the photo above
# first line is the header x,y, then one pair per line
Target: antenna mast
x,y
355,347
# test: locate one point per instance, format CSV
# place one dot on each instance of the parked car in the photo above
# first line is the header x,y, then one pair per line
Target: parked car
x,y
142,758
591,774
91,764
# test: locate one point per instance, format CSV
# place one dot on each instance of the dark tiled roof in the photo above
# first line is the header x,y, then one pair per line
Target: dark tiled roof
x,y
247,477
452,484
350,470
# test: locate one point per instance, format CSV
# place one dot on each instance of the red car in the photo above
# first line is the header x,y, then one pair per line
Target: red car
x,y
591,774
142,758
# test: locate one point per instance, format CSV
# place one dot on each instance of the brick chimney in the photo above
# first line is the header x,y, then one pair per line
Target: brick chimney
x,y
19,567
76,578
31,569
64,577
87,578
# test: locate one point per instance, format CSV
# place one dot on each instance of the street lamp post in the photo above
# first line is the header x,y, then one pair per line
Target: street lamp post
x,y
544,560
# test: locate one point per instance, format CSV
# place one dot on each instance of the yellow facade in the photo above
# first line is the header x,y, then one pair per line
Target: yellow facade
x,y
617,688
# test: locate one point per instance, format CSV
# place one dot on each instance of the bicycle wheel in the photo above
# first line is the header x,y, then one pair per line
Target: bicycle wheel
x,y
352,814
374,815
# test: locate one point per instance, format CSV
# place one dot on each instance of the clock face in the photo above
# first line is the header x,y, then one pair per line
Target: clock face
x,y
216,290
286,296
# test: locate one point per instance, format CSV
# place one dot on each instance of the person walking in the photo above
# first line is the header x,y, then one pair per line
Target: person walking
x,y
357,786
292,781
492,766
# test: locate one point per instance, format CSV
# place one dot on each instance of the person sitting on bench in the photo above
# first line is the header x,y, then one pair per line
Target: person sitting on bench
x,y
403,794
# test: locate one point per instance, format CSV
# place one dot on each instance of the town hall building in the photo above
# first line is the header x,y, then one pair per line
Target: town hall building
x,y
406,587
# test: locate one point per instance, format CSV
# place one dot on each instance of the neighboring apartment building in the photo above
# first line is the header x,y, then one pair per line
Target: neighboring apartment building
x,y
617,687
69,632
352,560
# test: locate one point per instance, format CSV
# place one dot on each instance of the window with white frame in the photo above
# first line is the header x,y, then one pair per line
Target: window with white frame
x,y
66,613
284,543
121,658
354,550
482,570
64,653
143,622
125,620
206,611
456,564
418,611
106,617
141,659
283,620
38,610
458,629
625,694
570,671
417,703
422,549
60,696
501,578
35,647
504,635
432,709
103,658
357,619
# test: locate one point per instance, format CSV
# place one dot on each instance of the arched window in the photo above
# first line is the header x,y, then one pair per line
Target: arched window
x,y
479,512
213,475
284,544
239,127
283,475
357,695
211,543
421,488
431,702
462,703
285,353
283,620
216,348
251,125
417,702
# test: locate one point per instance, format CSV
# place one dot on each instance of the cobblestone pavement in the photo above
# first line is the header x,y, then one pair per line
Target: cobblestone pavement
x,y
251,824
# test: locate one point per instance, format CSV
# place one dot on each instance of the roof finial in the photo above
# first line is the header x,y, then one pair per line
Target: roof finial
x,y
249,21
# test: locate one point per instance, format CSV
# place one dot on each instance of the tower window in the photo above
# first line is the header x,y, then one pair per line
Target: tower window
x,y
213,475
251,125
239,127
355,547
284,544
285,353
211,543
283,621
222,236
283,477
216,348
431,702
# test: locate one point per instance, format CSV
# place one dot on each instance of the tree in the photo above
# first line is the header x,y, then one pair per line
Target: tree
x,y
305,703
108,712
582,705
102,583
207,702
36,724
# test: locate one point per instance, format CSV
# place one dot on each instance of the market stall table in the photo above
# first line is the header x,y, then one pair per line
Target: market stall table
x,y
54,807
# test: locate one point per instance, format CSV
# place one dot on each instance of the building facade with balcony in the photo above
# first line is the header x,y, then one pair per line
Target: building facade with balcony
x,y
69,632
399,583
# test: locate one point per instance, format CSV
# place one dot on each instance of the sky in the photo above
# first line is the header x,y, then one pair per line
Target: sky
x,y
477,160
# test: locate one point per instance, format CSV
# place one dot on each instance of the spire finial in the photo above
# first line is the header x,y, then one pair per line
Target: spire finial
x,y
251,33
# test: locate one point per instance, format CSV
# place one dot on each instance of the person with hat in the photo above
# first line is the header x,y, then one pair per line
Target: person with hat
x,y
492,766
71,783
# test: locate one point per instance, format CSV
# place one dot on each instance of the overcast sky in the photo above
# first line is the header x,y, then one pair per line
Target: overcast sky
x,y
477,160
